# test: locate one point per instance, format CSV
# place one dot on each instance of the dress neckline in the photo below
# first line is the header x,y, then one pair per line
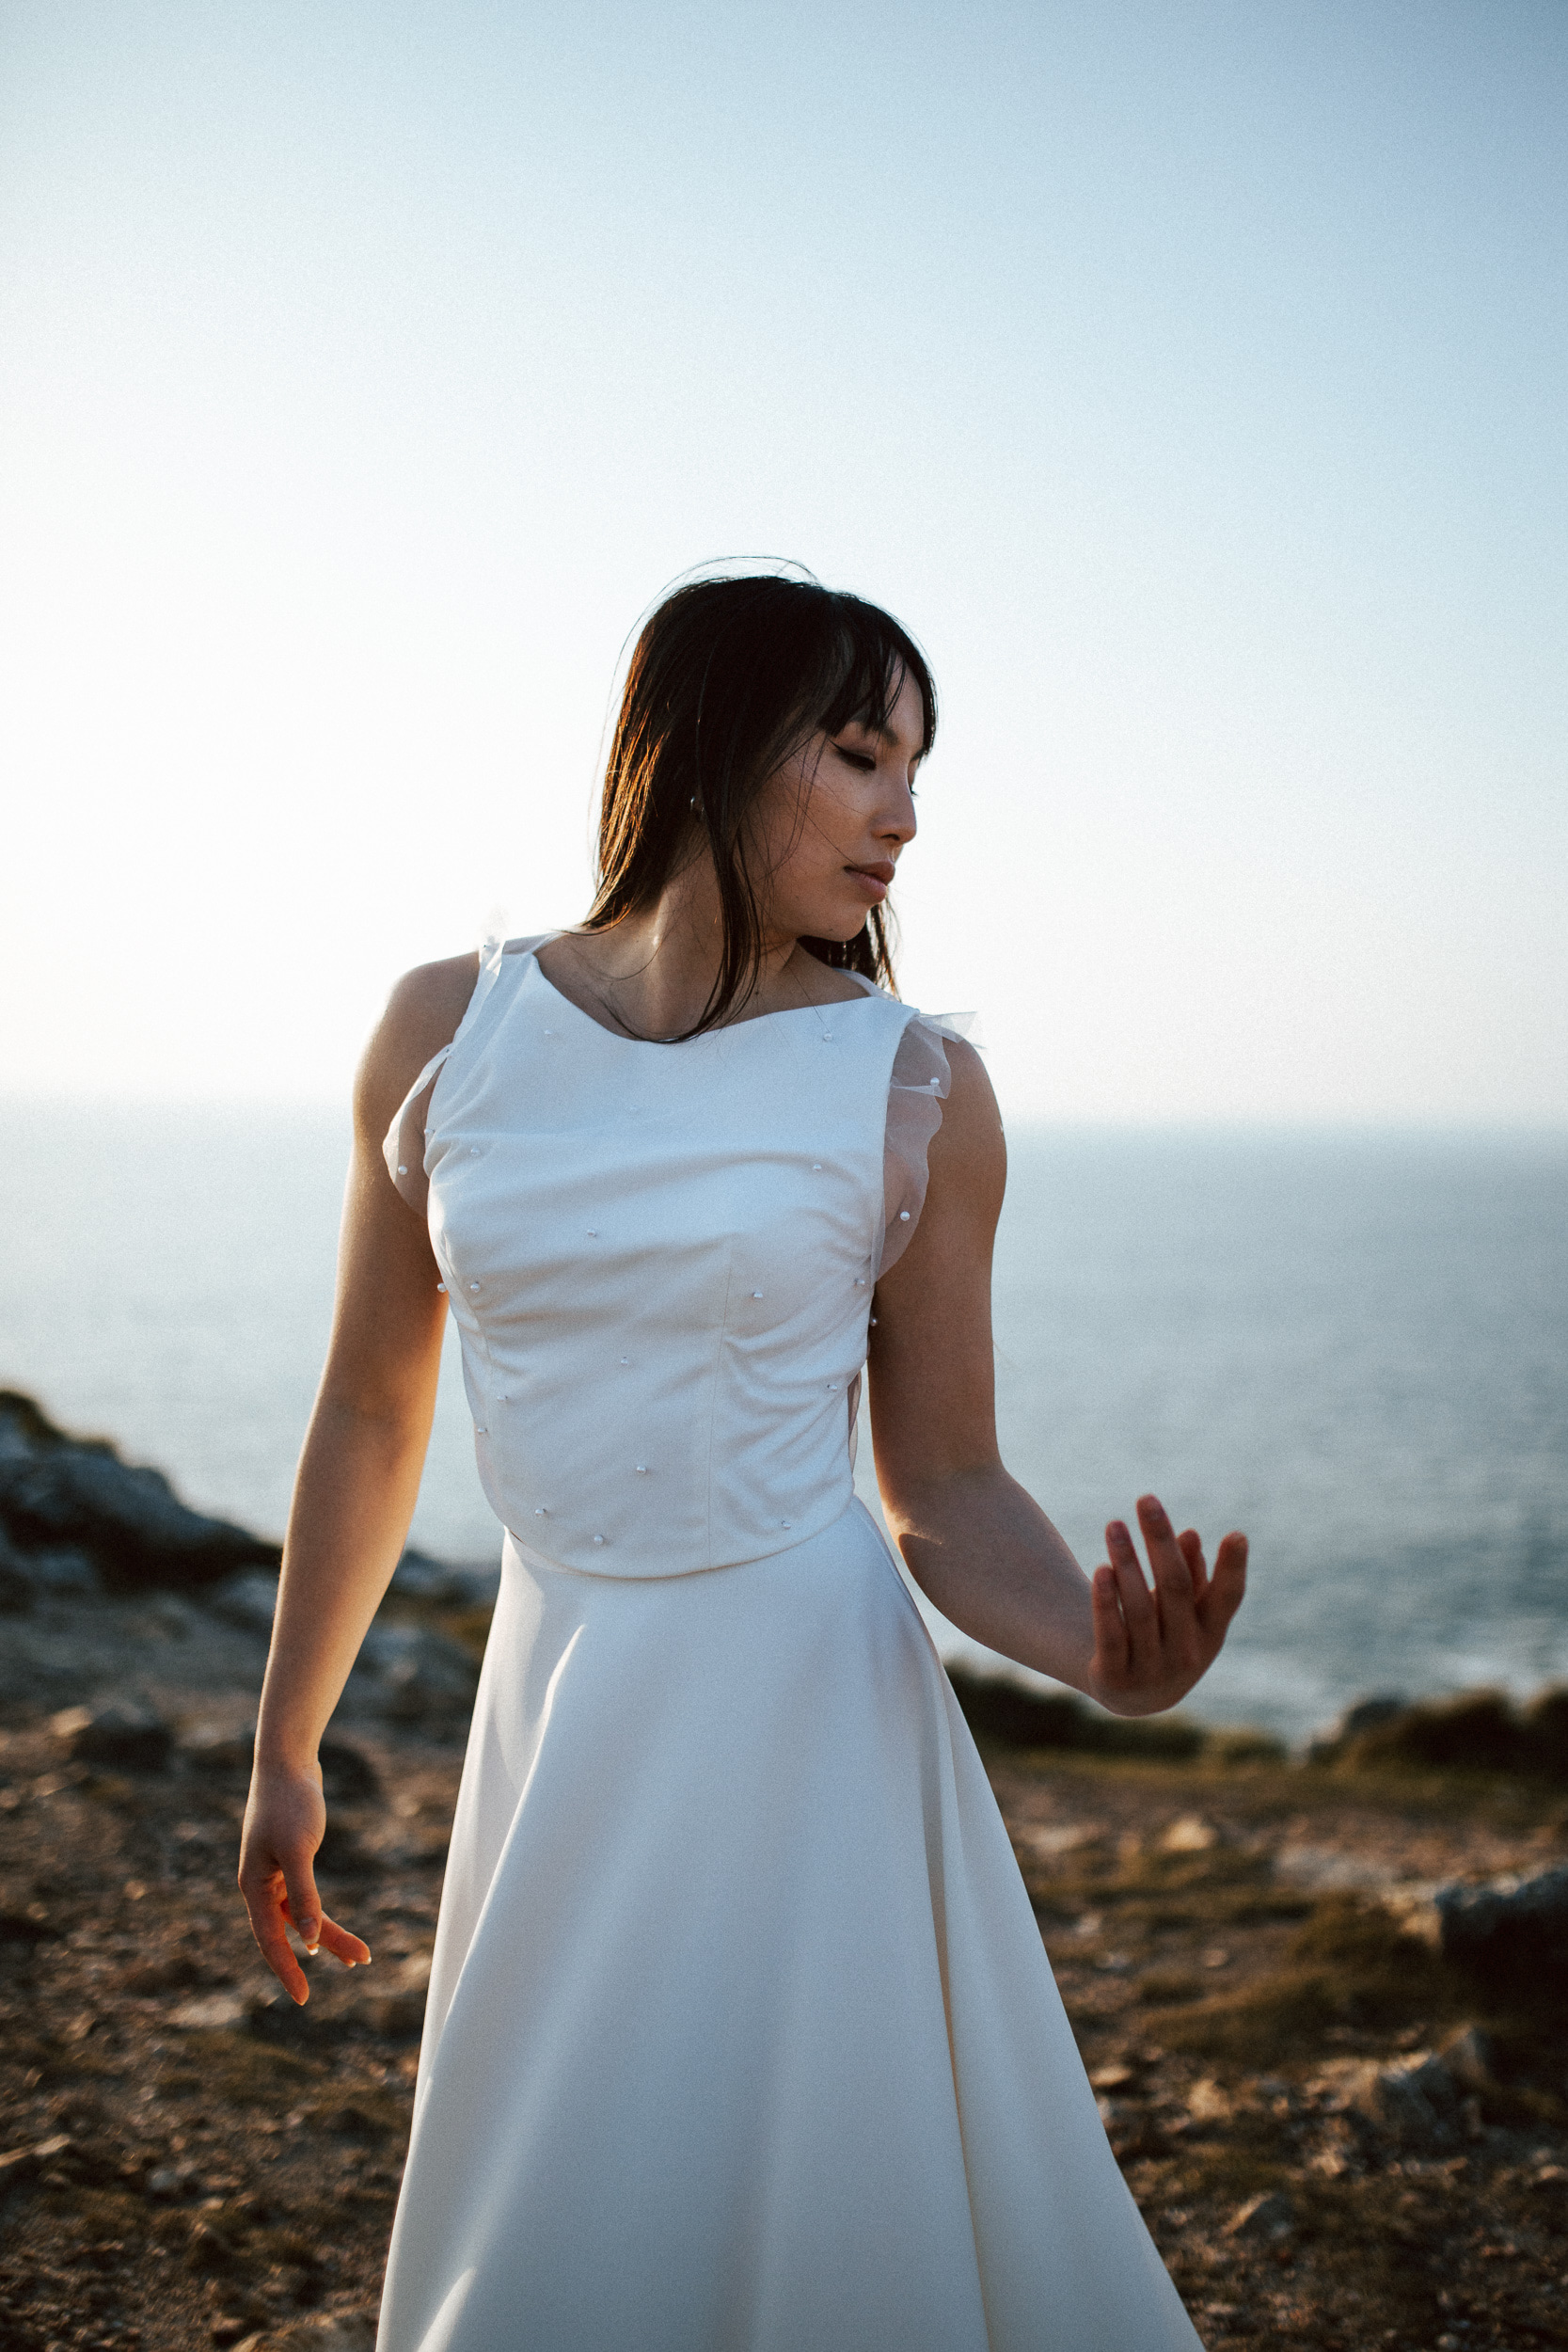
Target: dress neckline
x,y
727,1028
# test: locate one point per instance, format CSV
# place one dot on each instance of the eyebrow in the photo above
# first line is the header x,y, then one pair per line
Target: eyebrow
x,y
884,732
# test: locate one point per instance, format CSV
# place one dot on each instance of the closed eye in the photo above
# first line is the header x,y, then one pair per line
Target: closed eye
x,y
863,760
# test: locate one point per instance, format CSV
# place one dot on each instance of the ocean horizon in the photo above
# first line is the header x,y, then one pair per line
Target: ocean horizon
x,y
1351,1341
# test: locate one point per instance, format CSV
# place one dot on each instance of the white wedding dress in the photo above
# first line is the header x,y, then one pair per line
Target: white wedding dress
x,y
740,2034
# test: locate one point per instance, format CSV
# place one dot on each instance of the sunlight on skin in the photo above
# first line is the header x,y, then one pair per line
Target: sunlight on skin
x,y
828,834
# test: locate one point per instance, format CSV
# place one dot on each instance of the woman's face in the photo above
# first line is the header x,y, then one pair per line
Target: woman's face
x,y
828,828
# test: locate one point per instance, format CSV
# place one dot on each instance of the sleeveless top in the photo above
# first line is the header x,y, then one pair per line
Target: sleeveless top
x,y
661,1259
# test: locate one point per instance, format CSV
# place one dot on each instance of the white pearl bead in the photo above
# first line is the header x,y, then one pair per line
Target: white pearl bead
x,y
816,1168
402,1171
756,1293
441,1286
903,1216
787,1522
641,1469
598,1539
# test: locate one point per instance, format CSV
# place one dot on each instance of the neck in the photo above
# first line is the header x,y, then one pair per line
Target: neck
x,y
656,970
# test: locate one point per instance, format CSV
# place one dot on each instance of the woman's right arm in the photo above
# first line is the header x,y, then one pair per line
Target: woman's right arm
x,y
358,1479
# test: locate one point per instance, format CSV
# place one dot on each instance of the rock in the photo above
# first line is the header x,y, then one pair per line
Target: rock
x,y
1209,2102
1469,2059
1416,2103
1412,2106
122,1735
1188,1834
219,1748
1263,2220
418,1673
248,1599
212,2012
348,1776
16,1584
1323,1871
26,1577
1511,1933
20,2163
1478,1731
1369,1714
63,1494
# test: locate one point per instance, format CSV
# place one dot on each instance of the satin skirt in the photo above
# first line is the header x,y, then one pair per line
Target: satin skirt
x,y
741,2037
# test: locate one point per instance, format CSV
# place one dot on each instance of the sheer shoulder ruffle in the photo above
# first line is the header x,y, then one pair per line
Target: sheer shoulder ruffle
x,y
916,1092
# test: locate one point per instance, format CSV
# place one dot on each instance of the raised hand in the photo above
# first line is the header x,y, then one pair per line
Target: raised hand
x,y
285,1822
1150,1647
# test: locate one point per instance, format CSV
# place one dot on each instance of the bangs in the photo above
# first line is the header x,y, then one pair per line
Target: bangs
x,y
874,657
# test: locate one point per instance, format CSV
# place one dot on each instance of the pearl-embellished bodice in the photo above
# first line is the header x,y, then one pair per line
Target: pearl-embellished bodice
x,y
661,1259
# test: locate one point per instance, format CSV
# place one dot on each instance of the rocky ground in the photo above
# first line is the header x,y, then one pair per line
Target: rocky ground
x,y
1338,2086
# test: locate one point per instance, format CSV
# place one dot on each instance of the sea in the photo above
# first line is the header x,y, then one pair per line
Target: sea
x,y
1353,1345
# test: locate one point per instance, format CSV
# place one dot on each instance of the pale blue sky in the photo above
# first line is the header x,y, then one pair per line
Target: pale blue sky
x,y
1189,378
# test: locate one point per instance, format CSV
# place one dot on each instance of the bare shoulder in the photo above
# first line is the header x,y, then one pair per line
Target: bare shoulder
x,y
423,1014
968,1158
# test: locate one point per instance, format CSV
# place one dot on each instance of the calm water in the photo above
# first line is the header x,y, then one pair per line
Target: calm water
x,y
1354,1347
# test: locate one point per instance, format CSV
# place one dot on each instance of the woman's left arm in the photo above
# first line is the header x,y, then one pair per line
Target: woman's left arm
x,y
979,1546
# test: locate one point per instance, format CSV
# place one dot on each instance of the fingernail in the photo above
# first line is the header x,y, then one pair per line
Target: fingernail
x,y
1117,1530
312,1949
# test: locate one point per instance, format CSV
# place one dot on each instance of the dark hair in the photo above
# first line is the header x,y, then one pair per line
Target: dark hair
x,y
727,678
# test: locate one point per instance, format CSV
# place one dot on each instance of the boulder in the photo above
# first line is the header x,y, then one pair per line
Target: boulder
x,y
1512,1932
1471,2060
1476,1731
1412,2107
248,1599
1367,1714
414,1674
60,1494
124,1735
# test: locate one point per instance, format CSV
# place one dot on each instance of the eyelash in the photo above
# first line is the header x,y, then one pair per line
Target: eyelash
x,y
862,762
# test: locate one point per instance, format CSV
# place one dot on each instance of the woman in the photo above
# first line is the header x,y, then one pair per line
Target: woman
x,y
741,2036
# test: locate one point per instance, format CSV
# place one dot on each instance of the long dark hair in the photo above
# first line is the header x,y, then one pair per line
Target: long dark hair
x,y
726,680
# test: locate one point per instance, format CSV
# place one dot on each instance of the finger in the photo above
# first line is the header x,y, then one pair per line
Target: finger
x,y
1226,1587
1111,1654
1137,1602
1179,1638
1192,1551
264,1905
342,1945
303,1906
1173,1578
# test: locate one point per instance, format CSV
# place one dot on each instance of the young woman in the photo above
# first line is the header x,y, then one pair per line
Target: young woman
x,y
741,2036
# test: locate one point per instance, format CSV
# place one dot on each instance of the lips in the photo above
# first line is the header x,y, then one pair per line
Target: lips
x,y
873,877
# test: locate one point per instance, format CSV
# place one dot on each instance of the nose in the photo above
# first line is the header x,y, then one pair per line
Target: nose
x,y
896,819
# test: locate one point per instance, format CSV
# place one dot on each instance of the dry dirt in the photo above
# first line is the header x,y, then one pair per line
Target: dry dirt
x,y
186,2161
